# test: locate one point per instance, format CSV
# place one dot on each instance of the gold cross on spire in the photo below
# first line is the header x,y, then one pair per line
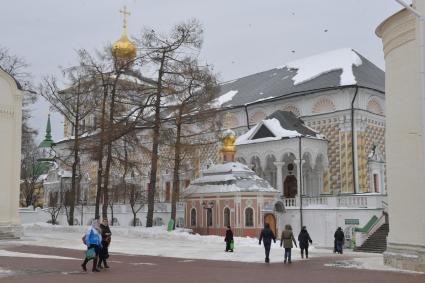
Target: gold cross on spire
x,y
228,117
125,13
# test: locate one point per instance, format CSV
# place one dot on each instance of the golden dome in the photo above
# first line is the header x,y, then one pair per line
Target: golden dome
x,y
124,49
229,137
229,141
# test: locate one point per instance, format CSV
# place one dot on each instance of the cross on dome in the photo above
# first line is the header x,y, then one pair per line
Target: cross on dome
x,y
125,13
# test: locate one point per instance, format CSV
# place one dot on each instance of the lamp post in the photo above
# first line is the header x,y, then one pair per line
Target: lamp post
x,y
421,21
208,206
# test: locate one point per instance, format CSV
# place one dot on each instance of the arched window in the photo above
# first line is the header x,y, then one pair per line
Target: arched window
x,y
209,217
226,217
193,217
249,217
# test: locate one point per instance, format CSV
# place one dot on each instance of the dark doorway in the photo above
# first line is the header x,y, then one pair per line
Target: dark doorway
x,y
290,186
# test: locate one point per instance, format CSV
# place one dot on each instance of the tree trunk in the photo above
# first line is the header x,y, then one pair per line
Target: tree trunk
x,y
155,146
109,156
100,156
74,163
106,181
176,175
112,215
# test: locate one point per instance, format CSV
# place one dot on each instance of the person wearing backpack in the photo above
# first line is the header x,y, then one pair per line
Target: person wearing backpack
x,y
92,240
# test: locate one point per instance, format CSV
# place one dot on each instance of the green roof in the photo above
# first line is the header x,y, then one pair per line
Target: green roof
x,y
47,142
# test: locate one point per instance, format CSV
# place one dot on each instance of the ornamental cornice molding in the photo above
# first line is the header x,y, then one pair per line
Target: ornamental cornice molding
x,y
397,30
6,112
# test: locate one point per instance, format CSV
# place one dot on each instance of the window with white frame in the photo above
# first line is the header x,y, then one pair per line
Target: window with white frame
x,y
249,217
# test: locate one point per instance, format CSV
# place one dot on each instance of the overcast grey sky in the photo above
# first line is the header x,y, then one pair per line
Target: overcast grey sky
x,y
241,36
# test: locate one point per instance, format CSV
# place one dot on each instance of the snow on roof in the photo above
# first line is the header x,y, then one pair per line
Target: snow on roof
x,y
278,124
312,67
274,126
65,173
231,177
224,98
228,167
42,177
261,99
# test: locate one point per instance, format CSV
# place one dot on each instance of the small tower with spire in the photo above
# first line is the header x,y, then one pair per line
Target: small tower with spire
x,y
229,137
47,143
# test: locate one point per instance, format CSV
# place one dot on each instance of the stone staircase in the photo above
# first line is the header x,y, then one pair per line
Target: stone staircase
x,y
7,236
377,242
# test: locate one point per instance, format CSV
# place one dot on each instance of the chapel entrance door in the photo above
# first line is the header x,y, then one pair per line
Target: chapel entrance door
x,y
271,219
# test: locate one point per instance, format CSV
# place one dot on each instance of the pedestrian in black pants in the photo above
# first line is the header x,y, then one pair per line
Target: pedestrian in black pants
x,y
229,239
267,236
92,240
304,239
339,240
106,240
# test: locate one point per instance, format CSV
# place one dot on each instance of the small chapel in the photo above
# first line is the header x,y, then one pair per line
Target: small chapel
x,y
229,194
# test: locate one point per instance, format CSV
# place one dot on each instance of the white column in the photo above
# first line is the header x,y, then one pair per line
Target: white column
x,y
299,176
279,177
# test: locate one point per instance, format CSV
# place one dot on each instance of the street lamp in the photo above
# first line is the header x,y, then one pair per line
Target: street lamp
x,y
208,206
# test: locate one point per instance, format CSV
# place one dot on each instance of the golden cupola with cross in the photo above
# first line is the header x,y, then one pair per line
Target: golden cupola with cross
x,y
229,138
123,49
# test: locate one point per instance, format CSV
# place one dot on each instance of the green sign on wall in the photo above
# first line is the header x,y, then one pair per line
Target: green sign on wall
x,y
352,222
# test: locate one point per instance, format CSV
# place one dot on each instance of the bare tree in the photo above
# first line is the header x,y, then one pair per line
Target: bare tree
x,y
75,103
190,105
55,206
162,52
31,171
137,200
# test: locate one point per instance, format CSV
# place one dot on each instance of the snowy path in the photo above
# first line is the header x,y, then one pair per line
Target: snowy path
x,y
157,241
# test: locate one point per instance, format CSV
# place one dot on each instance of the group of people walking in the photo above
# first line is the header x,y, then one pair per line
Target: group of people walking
x,y
97,239
287,241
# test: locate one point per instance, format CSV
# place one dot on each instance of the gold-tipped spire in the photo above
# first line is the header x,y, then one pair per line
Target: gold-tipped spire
x,y
229,138
123,49
228,119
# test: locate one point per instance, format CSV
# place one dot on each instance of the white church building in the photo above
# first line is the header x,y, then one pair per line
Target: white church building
x,y
331,175
340,95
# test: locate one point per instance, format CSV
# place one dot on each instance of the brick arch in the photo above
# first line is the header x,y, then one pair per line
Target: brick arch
x,y
257,117
374,106
323,105
292,108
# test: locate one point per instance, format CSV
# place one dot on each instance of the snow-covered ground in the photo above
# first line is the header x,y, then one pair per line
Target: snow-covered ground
x,y
156,241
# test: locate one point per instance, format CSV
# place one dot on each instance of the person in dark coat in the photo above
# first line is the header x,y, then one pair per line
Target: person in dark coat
x,y
303,240
106,240
286,240
339,240
267,236
228,239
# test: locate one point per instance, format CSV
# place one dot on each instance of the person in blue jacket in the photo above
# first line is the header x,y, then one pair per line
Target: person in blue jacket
x,y
92,240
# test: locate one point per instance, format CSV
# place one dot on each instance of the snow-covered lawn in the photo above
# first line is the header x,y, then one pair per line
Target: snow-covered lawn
x,y
156,241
